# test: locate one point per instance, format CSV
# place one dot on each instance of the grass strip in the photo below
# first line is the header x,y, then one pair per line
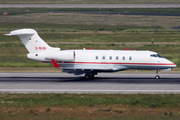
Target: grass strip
x,y
48,27
140,100
90,106
102,36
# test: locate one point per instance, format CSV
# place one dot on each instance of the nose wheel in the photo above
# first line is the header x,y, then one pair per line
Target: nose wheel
x,y
157,77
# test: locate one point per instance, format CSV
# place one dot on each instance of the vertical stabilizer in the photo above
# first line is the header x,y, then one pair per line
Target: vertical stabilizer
x,y
32,41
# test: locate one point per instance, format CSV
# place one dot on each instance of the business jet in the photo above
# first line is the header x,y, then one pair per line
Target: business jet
x,y
90,62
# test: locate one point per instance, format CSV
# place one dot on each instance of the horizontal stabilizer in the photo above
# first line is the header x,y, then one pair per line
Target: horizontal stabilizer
x,y
18,34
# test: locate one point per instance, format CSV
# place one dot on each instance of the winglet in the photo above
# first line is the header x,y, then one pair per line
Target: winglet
x,y
90,48
127,49
55,64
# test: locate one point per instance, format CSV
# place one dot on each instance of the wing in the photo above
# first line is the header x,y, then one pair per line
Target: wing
x,y
79,71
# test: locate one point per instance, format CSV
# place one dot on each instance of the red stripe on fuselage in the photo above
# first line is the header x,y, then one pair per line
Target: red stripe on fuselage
x,y
112,63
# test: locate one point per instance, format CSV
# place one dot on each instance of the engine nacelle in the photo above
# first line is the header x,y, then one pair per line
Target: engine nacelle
x,y
61,56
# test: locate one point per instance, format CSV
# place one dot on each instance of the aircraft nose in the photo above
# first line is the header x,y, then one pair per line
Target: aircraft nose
x,y
169,64
172,65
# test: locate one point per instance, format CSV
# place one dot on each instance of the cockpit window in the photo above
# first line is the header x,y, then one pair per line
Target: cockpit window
x,y
156,55
153,55
159,56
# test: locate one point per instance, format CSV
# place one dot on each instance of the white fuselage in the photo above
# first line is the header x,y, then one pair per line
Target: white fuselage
x,y
89,62
105,60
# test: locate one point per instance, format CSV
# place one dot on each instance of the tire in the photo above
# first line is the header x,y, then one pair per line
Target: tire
x,y
157,77
86,76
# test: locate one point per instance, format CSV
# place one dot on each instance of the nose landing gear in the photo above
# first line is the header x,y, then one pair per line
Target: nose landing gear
x,y
157,76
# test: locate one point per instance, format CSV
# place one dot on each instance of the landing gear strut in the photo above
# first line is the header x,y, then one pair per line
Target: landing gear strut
x,y
157,76
90,75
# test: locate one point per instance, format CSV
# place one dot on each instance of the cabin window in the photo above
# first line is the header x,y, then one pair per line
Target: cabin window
x,y
130,58
117,57
110,57
103,57
123,58
96,57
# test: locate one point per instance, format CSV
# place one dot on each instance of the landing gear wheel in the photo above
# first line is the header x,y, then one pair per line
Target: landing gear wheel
x,y
157,77
90,75
86,76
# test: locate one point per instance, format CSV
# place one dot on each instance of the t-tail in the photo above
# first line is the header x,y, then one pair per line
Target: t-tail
x,y
32,41
38,49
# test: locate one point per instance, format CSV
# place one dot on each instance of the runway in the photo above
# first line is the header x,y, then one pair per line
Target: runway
x,y
89,5
102,83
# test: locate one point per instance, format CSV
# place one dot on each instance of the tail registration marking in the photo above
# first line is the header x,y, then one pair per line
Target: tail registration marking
x,y
40,48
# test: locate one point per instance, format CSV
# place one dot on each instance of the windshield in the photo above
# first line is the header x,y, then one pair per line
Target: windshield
x,y
153,55
156,55
159,56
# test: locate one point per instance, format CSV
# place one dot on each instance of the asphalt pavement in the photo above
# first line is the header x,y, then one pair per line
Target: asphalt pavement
x,y
102,83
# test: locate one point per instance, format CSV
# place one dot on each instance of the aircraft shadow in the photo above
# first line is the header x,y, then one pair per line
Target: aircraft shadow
x,y
119,80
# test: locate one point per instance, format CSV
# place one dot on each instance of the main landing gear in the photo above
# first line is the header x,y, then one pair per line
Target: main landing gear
x,y
89,75
157,76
